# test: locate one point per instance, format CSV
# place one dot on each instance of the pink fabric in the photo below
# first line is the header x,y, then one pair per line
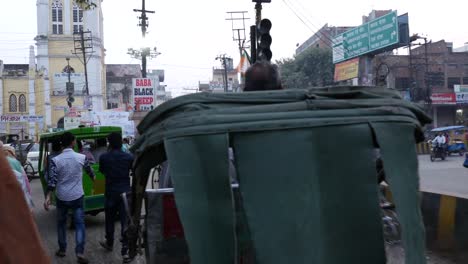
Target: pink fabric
x,y
26,182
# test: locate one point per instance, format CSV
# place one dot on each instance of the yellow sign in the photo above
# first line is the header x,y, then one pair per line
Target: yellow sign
x,y
347,70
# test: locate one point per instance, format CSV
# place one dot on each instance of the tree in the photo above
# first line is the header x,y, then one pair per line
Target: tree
x,y
86,4
312,68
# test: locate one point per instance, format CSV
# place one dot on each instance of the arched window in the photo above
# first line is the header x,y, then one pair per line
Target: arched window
x,y
13,103
22,103
77,18
57,17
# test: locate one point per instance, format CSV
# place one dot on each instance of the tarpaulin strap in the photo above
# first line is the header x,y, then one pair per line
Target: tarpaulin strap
x,y
200,174
398,151
308,201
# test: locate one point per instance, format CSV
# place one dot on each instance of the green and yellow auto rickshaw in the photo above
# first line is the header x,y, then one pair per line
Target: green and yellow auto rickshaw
x,y
88,136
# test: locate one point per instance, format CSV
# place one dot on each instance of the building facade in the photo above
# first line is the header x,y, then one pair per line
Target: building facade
x,y
58,22
434,71
322,38
22,104
119,85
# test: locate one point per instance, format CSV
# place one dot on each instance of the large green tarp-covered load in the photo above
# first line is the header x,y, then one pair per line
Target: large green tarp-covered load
x,y
305,162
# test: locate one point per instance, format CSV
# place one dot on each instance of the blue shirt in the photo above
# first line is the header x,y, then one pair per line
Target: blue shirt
x,y
116,166
67,175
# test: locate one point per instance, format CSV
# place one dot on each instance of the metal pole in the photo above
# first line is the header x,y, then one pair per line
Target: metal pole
x,y
428,91
68,64
83,49
240,60
253,44
143,18
225,74
412,86
258,13
143,64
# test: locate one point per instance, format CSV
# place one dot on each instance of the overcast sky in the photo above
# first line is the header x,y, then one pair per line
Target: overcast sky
x,y
190,34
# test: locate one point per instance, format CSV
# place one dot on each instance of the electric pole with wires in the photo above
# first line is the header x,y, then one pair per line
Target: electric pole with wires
x,y
238,34
223,58
145,51
83,44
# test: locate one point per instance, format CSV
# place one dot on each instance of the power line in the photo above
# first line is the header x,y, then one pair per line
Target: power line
x,y
318,33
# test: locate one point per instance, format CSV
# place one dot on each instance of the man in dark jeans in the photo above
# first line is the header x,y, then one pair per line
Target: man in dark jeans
x,y
116,165
66,177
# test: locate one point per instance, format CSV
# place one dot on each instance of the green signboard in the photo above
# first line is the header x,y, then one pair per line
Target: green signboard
x,y
371,36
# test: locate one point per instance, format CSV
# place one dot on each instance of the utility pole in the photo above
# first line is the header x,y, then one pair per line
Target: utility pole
x,y
143,23
142,54
83,42
223,60
240,36
143,18
70,87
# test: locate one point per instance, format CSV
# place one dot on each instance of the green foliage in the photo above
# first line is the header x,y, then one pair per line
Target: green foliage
x,y
86,4
312,68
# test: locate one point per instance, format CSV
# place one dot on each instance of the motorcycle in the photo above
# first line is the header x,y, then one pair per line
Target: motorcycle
x,y
438,151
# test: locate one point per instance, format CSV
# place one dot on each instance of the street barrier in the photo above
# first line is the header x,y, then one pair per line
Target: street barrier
x,y
423,148
445,219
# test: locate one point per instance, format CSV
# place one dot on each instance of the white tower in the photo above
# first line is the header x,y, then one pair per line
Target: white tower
x,y
57,20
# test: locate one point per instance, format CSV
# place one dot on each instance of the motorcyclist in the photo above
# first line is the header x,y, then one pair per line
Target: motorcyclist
x,y
439,140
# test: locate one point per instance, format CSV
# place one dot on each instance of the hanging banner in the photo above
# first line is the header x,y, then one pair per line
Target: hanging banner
x,y
60,81
21,118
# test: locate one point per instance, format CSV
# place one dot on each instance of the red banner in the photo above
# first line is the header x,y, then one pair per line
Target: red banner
x,y
443,98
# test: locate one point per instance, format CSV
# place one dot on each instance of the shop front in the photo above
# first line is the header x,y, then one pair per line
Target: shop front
x,y
444,109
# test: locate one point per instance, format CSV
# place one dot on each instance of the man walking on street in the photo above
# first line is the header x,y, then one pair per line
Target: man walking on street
x,y
66,179
116,165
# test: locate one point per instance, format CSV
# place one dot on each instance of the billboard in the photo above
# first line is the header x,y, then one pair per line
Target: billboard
x,y
462,98
60,81
443,99
460,88
347,70
374,35
74,118
144,93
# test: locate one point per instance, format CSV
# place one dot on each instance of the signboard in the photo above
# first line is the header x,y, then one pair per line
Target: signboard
x,y
104,118
347,70
443,99
71,122
371,36
21,118
462,98
60,83
461,88
144,91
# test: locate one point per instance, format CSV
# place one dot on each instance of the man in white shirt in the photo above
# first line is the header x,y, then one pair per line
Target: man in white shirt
x,y
440,139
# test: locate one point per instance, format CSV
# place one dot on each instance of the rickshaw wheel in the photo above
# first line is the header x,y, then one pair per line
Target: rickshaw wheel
x,y
29,170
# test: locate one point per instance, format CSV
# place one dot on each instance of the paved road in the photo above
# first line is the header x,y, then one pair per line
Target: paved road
x,y
444,177
441,176
94,233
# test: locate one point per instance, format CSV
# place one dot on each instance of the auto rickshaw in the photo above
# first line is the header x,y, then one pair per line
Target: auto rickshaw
x,y
94,192
304,184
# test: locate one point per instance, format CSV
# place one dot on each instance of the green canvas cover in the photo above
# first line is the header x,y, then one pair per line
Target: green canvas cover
x,y
306,171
